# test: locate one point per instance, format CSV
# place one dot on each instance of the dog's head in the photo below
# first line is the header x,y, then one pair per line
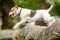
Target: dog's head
x,y
14,11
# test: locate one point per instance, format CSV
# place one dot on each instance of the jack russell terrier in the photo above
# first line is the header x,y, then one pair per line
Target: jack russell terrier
x,y
24,15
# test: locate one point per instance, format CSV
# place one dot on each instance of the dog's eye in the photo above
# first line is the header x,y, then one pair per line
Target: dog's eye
x,y
11,10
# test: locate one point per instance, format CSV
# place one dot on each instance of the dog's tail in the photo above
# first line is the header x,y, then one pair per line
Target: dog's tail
x,y
50,8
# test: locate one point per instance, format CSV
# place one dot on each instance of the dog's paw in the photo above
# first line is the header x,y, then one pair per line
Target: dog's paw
x,y
14,27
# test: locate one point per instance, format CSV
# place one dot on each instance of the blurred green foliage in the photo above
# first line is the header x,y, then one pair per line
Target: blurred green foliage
x,y
56,9
30,4
36,4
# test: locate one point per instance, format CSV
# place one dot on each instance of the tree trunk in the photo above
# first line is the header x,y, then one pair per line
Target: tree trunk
x,y
44,4
7,21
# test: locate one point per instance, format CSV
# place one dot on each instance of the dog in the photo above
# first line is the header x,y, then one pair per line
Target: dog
x,y
43,15
24,15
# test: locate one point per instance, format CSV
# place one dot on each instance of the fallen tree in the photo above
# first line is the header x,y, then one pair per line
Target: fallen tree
x,y
36,33
40,33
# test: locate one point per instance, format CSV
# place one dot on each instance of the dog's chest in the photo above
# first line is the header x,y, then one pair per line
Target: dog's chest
x,y
32,13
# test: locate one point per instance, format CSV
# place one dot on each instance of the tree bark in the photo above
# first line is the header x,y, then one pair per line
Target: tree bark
x,y
7,21
44,5
34,32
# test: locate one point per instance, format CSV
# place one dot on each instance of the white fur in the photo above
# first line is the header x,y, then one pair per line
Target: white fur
x,y
39,14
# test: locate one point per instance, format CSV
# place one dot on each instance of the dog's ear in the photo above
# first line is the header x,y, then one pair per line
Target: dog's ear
x,y
16,6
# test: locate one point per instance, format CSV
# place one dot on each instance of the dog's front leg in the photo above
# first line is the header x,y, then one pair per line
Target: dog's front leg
x,y
18,24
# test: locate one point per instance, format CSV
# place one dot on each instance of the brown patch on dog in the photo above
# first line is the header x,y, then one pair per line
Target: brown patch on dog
x,y
33,12
16,6
13,10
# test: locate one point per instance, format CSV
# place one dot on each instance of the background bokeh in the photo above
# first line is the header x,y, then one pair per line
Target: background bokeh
x,y
7,23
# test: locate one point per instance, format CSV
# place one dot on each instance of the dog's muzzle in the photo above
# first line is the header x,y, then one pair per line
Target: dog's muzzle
x,y
11,15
